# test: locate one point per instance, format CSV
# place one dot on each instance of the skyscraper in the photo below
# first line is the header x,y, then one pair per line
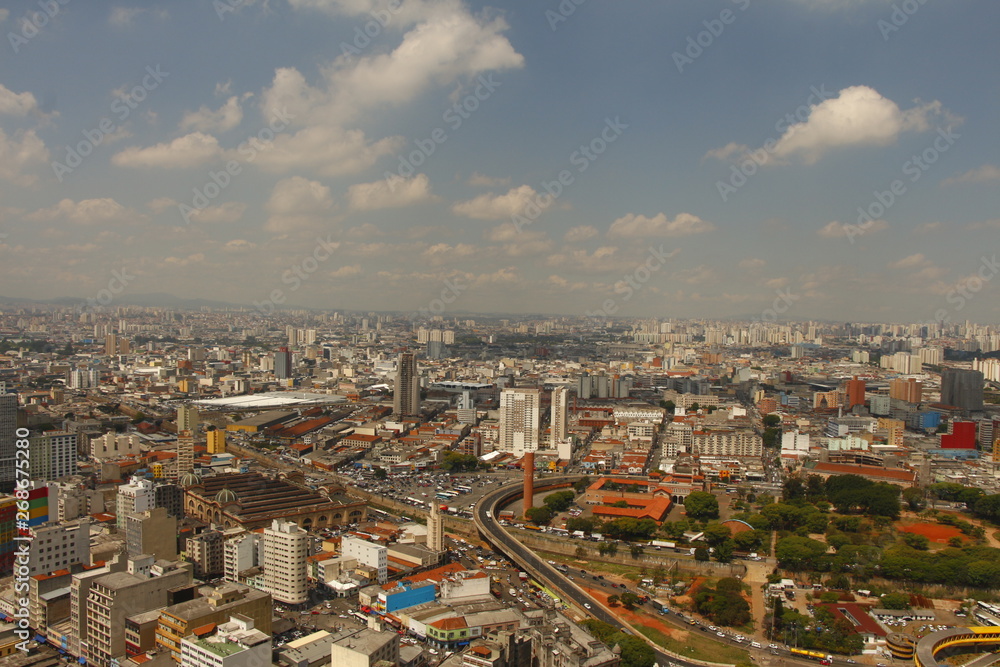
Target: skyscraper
x,y
962,388
406,394
435,529
185,452
8,446
187,418
558,418
286,548
855,392
519,419
216,441
283,363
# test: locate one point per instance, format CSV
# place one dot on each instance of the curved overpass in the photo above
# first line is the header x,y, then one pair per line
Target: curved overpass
x,y
493,532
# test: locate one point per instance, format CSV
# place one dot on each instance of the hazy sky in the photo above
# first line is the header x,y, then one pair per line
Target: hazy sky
x,y
714,157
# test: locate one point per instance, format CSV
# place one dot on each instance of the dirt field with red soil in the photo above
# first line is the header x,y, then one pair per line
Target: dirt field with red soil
x,y
935,532
637,619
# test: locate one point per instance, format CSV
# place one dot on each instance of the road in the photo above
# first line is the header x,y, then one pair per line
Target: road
x,y
484,516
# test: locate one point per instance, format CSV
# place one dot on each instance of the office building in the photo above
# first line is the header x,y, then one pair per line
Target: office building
x,y
406,392
135,497
367,648
207,552
962,388
519,421
153,532
187,418
8,440
213,605
906,389
234,644
240,553
56,546
112,597
283,363
216,441
111,446
286,548
52,455
855,392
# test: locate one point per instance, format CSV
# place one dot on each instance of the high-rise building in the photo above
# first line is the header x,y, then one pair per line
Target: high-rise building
x,y
153,532
207,551
962,388
8,440
57,546
52,455
910,390
282,363
406,393
216,441
519,421
286,548
558,420
136,496
187,418
8,531
185,452
241,553
855,392
435,529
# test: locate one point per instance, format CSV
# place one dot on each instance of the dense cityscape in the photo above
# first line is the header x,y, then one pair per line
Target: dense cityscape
x,y
464,333
217,488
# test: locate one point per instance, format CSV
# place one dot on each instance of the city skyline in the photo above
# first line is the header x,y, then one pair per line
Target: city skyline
x,y
724,160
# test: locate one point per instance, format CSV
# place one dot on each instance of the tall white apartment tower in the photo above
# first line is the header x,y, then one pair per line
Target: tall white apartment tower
x,y
136,496
286,548
558,420
519,420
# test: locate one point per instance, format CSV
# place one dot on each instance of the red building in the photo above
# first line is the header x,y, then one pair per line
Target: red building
x,y
855,392
962,436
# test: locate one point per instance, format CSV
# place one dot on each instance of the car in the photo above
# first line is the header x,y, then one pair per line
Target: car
x,y
713,628
586,605
851,662
773,647
720,634
755,644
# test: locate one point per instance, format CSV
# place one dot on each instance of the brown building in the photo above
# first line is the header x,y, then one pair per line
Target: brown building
x,y
215,605
252,500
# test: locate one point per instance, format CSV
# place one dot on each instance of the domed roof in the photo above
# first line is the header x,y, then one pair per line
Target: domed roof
x,y
226,496
189,479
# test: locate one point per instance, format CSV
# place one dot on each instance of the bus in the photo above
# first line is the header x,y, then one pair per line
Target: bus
x,y
462,489
823,658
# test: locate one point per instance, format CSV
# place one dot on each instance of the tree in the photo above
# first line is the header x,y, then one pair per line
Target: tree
x,y
629,600
635,550
669,406
896,601
539,515
793,489
724,552
701,553
613,600
914,498
716,533
916,541
560,500
771,420
619,503
795,553
702,506
581,484
381,474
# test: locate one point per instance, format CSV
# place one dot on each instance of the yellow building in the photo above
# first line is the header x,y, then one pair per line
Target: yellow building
x,y
216,442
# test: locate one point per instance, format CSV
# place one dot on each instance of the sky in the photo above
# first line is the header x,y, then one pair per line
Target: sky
x,y
788,159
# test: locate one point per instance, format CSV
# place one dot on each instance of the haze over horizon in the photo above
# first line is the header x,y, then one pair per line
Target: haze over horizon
x,y
688,160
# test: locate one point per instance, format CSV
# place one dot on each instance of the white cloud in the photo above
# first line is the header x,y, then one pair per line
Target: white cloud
x,y
858,116
909,262
835,229
752,263
480,180
580,234
87,212
191,150
123,17
238,246
345,271
988,173
296,203
330,151
929,228
383,194
16,104
226,117
161,204
640,226
499,207
228,212
19,155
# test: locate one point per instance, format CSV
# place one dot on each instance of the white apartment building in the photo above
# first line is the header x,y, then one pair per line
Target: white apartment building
x,y
114,446
241,553
559,417
286,548
727,443
519,421
136,496
56,546
52,455
367,553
